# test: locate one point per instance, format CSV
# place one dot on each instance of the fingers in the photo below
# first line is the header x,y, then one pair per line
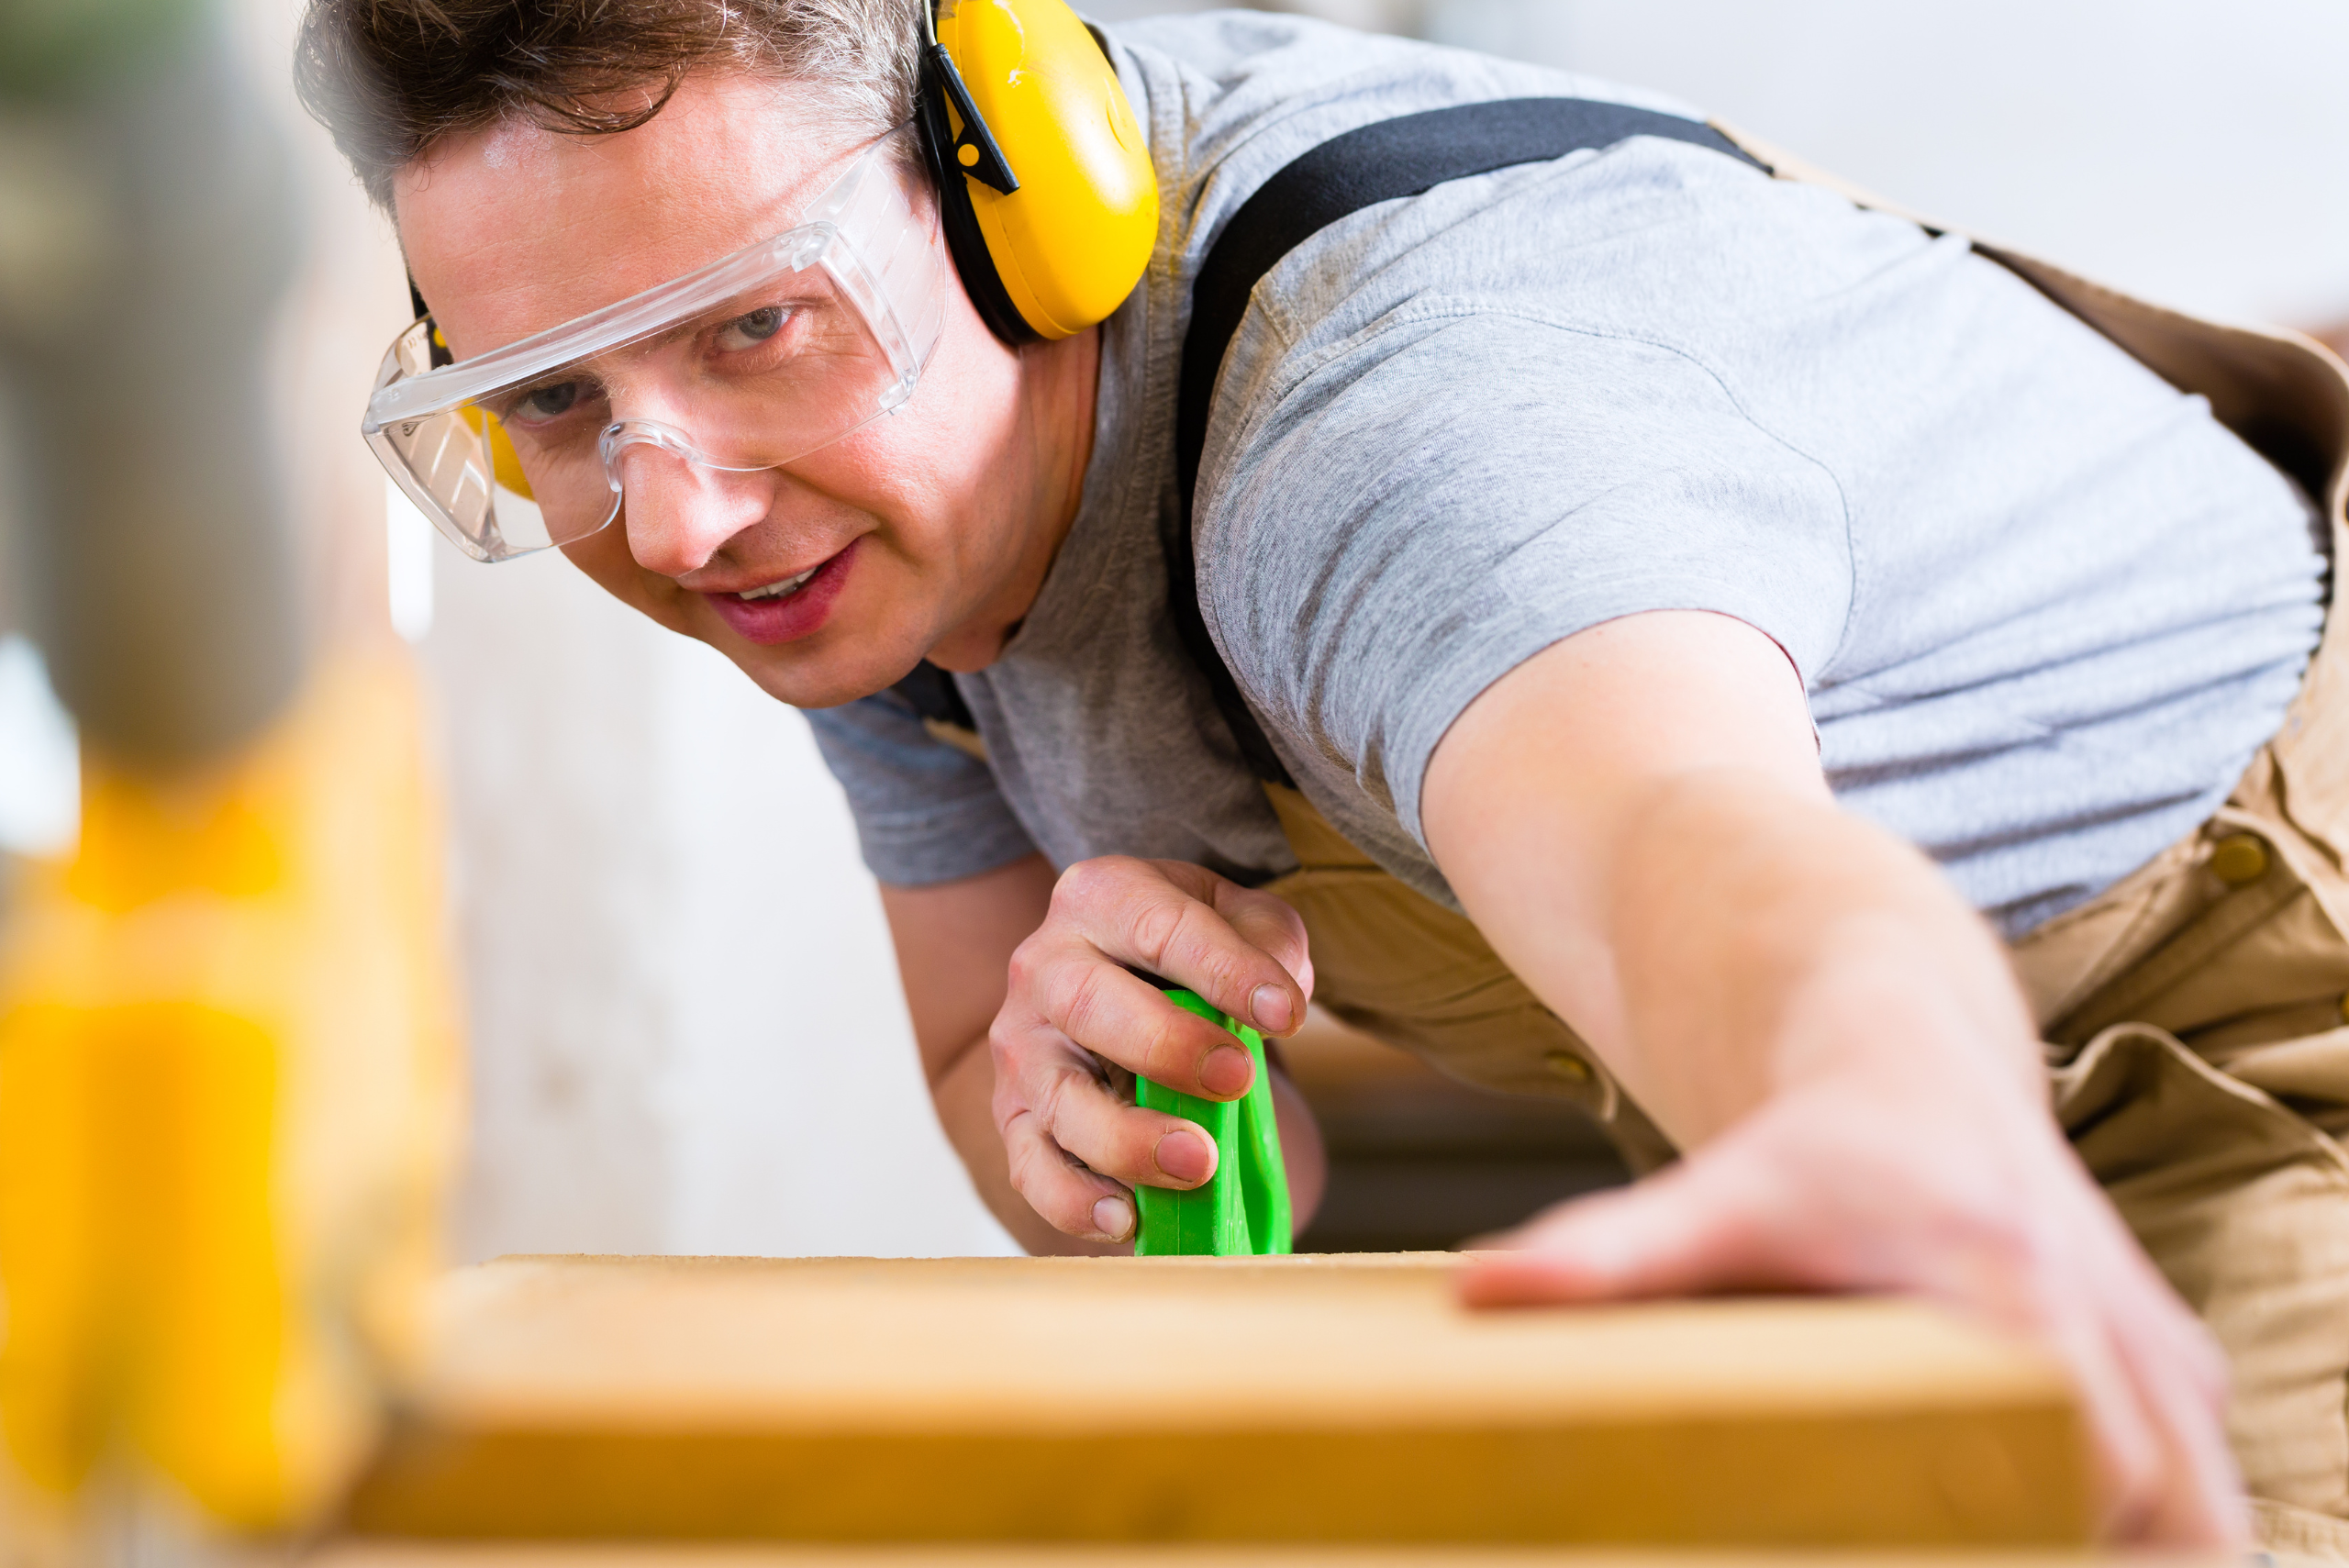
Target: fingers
x,y
1678,1233
2202,1502
2176,1483
2126,1447
1072,1144
2152,1382
2163,1466
2194,1496
1078,996
1243,951
1070,1198
1788,1203
1272,926
1134,1147
1073,1147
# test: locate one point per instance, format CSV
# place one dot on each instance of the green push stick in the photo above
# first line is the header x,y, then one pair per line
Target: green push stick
x,y
1243,1209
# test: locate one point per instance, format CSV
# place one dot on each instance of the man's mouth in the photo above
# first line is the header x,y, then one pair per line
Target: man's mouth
x,y
782,589
789,607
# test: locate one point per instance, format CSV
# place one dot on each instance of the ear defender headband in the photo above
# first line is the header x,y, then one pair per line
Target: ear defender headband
x,y
1047,197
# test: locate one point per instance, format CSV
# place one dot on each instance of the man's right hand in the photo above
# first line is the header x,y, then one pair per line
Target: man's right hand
x,y
1928,1175
1638,820
1075,1017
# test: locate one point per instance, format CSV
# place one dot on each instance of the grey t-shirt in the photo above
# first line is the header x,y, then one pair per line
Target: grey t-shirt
x,y
2045,607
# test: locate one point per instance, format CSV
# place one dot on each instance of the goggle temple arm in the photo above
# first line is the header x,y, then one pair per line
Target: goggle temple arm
x,y
440,354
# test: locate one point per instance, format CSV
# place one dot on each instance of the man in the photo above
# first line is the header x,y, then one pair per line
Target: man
x,y
1745,609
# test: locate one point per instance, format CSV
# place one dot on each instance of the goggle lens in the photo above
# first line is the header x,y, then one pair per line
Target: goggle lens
x,y
756,362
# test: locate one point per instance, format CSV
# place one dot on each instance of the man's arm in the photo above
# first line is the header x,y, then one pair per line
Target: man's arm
x,y
956,942
1636,820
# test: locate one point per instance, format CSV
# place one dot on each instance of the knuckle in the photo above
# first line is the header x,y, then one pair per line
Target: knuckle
x,y
1038,1171
1047,1103
1032,961
1027,1163
1226,971
1072,998
2001,1248
1011,1108
1006,1046
1085,885
1263,908
1294,936
1166,1058
1151,928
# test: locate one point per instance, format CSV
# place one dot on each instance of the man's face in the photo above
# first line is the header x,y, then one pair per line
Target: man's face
x,y
916,528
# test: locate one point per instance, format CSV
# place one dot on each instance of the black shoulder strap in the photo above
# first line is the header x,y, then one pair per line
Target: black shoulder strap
x,y
934,695
1378,162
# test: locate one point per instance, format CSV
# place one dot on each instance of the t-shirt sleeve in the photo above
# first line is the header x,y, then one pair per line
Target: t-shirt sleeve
x,y
1445,497
926,812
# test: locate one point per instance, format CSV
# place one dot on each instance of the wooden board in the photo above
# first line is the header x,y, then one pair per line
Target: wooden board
x,y
1305,1399
380,1554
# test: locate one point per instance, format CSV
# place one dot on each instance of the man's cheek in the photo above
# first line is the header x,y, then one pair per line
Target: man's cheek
x,y
606,560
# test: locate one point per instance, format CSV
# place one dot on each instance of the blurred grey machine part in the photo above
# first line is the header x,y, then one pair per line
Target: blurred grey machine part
x,y
147,227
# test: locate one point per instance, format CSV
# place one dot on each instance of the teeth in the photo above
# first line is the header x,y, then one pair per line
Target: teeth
x,y
778,590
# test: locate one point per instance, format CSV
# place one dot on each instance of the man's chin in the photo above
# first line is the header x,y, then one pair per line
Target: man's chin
x,y
803,678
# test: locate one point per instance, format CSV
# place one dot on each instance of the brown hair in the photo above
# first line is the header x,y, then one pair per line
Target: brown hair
x,y
391,77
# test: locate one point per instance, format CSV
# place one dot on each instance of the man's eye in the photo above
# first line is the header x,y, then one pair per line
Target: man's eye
x,y
549,402
745,332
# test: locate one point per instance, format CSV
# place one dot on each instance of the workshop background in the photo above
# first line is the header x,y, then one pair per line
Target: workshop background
x,y
686,1033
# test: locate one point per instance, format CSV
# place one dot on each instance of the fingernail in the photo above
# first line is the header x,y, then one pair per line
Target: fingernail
x,y
1227,1071
1270,1007
1114,1217
1186,1156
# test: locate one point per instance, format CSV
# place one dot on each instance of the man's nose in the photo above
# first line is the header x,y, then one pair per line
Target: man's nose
x,y
679,513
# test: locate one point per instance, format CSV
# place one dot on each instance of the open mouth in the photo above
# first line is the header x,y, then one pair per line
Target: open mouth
x,y
789,607
779,590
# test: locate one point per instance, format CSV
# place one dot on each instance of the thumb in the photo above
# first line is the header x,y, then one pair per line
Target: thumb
x,y
1683,1232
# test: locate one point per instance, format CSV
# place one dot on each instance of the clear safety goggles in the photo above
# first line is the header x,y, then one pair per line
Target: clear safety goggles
x,y
752,362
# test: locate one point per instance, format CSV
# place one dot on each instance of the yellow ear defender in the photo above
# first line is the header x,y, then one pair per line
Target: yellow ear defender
x,y
1049,202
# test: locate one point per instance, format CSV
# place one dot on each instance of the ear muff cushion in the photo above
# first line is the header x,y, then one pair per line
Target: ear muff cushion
x,y
1070,244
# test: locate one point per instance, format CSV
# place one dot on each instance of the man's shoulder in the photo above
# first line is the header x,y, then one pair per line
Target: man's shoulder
x,y
1232,97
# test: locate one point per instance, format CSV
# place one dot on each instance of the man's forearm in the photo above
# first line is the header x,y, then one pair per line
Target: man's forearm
x,y
1764,939
1637,822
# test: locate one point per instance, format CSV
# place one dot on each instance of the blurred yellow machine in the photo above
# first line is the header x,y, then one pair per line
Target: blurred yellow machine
x,y
228,1073
226,1064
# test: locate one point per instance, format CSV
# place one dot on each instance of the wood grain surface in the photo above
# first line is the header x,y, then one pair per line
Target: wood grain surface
x,y
382,1554
1305,1399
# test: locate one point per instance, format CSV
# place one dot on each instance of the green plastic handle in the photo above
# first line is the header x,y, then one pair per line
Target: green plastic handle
x,y
1242,1210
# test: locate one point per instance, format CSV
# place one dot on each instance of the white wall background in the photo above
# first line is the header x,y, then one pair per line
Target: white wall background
x,y
687,1033
2190,149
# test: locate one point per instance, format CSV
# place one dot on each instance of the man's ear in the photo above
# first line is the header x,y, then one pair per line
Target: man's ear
x,y
1046,192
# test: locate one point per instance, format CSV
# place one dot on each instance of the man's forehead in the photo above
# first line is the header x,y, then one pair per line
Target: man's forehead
x,y
518,227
